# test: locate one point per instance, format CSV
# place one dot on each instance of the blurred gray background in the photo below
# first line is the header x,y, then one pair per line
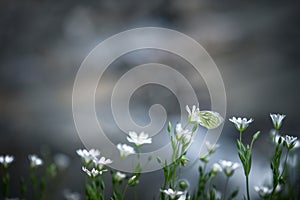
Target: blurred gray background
x,y
254,44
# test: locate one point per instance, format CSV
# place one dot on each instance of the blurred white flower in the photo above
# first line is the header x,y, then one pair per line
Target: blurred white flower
x,y
183,135
228,167
119,176
277,120
88,156
263,191
71,195
92,173
62,161
173,194
216,168
99,163
35,160
290,141
6,160
125,150
241,123
194,114
140,139
211,148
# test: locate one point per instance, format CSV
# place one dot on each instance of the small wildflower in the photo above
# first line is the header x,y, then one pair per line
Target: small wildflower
x,y
62,161
228,167
263,191
71,195
290,141
277,120
241,123
140,139
211,148
119,176
35,160
6,160
173,194
92,173
216,168
99,163
125,150
183,135
88,156
194,116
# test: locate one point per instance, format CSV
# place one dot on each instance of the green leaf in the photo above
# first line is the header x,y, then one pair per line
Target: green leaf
x,y
210,119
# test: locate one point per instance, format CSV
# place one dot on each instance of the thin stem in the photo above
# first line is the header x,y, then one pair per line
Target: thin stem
x,y
135,193
225,188
241,133
124,192
284,165
247,186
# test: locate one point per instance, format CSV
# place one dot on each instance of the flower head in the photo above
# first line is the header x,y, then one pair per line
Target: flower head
x,y
88,156
183,135
290,141
263,191
125,150
228,167
71,195
92,173
173,194
140,139
99,163
194,114
211,148
241,123
35,160
119,176
277,120
6,160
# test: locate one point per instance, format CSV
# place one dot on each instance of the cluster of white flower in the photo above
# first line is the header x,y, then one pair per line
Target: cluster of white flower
x,y
241,123
227,167
35,161
91,156
173,194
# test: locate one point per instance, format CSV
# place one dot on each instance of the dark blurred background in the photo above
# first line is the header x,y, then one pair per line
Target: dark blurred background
x,y
42,44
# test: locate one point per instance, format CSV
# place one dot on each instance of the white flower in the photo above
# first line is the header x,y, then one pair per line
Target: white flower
x,y
35,160
210,147
88,156
277,120
173,194
125,150
216,168
92,173
183,135
241,123
194,114
140,139
71,195
62,161
119,176
263,191
290,141
6,160
99,163
228,167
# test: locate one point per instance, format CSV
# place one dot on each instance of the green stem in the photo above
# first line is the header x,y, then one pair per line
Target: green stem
x,y
247,186
241,133
125,190
225,188
284,165
135,193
